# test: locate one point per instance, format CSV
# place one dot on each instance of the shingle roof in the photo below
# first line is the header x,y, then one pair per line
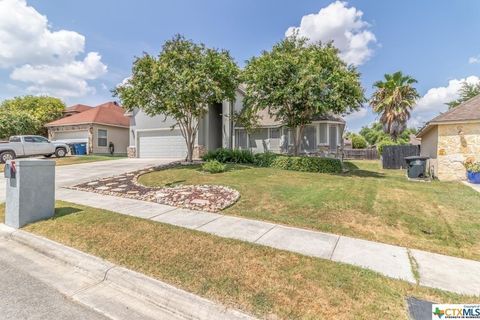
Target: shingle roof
x,y
77,108
108,113
466,111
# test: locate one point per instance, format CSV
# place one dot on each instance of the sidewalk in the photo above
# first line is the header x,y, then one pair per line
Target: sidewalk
x,y
107,289
435,270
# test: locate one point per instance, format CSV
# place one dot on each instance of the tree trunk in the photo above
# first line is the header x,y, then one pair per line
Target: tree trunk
x,y
297,141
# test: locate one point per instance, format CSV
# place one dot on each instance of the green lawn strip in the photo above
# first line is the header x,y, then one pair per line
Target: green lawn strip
x,y
366,202
256,279
79,159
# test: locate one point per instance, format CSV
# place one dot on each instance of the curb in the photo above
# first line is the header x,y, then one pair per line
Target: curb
x,y
115,287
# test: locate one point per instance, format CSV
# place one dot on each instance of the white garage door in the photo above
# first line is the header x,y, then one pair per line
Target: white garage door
x,y
66,135
161,144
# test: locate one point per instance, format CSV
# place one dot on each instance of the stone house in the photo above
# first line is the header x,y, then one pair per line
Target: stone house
x,y
451,138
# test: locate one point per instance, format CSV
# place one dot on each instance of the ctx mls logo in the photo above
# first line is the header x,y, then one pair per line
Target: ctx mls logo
x,y
455,311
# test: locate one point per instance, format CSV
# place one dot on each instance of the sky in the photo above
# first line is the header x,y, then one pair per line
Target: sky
x,y
80,50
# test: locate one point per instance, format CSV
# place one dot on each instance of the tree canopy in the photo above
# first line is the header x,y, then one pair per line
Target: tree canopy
x,y
181,83
374,134
296,81
393,99
467,91
28,114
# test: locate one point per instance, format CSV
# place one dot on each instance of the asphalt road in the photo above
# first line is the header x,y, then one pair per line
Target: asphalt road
x,y
25,297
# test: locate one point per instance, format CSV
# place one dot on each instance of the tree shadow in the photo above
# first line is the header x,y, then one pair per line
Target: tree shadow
x,y
363,174
65,211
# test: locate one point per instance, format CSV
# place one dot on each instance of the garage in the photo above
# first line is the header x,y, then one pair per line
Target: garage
x,y
69,135
161,144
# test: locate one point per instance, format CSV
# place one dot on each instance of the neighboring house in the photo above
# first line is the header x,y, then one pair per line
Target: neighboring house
x,y
154,137
75,109
451,138
98,127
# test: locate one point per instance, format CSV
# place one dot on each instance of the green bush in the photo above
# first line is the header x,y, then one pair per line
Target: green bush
x,y
264,159
230,156
358,142
307,164
214,166
384,143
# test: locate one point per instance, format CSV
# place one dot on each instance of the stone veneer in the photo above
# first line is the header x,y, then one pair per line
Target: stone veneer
x,y
131,152
457,143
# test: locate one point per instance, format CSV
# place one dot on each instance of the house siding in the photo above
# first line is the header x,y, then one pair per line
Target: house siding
x,y
429,148
457,143
117,135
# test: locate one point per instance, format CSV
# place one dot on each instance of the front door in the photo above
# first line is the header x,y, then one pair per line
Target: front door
x,y
333,138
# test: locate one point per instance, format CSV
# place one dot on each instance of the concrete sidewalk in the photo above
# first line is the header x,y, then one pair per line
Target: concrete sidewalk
x,y
436,271
107,289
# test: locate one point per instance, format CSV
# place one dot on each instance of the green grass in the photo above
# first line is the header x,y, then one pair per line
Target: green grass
x,y
367,202
266,282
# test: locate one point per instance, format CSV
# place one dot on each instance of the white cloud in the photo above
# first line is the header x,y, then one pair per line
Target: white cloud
x,y
361,113
434,101
344,26
474,59
44,59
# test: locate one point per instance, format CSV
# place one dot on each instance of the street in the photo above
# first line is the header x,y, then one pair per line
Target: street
x,y
24,297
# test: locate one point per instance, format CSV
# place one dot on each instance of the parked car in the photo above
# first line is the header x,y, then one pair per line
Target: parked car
x,y
26,146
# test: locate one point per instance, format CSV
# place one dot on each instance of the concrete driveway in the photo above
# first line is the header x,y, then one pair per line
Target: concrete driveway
x,y
78,173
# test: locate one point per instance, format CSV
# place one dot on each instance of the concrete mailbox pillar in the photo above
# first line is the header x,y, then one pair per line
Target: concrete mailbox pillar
x,y
30,190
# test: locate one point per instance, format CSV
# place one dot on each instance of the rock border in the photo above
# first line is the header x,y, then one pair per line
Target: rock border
x,y
211,198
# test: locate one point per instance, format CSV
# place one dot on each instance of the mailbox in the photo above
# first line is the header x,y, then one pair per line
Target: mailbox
x,y
30,192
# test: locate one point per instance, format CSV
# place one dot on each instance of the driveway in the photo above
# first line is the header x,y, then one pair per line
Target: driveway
x,y
69,175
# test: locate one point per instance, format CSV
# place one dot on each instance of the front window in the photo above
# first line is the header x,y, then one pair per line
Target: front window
x,y
102,138
241,139
40,140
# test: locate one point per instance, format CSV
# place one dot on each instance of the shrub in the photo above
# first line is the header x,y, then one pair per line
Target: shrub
x,y
358,142
264,159
228,155
307,164
214,166
383,143
472,166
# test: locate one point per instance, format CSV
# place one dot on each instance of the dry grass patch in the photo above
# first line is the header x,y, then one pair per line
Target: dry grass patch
x,y
368,202
257,279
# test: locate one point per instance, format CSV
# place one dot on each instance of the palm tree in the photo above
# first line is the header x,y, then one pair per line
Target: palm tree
x,y
394,98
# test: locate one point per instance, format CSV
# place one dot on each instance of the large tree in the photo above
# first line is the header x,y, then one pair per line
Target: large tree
x,y
393,99
374,134
296,81
467,91
181,83
34,111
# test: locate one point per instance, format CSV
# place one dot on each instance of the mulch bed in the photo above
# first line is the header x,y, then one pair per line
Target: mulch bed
x,y
211,198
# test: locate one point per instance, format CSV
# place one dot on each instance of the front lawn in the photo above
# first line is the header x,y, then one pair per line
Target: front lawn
x,y
368,202
261,280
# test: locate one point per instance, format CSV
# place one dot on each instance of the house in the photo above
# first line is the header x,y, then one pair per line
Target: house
x,y
154,136
98,127
451,138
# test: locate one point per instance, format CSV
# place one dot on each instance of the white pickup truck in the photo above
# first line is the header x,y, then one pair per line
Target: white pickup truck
x,y
26,146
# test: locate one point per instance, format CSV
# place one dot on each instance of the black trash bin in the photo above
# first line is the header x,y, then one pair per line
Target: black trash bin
x,y
416,167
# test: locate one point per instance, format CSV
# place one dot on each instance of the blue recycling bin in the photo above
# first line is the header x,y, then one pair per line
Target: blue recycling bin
x,y
81,149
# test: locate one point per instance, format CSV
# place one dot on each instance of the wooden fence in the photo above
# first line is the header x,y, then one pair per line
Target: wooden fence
x,y
360,154
393,157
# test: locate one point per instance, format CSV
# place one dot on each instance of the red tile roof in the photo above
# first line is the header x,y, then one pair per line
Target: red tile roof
x,y
108,113
78,108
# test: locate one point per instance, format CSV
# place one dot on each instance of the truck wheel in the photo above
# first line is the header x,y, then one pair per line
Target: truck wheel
x,y
60,152
7,155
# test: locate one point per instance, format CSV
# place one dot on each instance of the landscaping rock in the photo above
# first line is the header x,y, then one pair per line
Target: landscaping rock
x,y
210,198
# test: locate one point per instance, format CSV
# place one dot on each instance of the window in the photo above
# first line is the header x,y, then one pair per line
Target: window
x,y
102,138
322,128
275,133
241,139
15,139
308,141
40,140
28,139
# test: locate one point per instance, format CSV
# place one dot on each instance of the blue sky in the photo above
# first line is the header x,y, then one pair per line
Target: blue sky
x,y
93,42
